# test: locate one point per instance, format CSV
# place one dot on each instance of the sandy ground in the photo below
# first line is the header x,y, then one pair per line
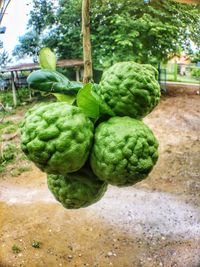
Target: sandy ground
x,y
154,223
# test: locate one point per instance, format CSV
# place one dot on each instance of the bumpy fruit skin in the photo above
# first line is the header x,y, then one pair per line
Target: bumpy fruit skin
x,y
57,137
76,190
124,151
130,89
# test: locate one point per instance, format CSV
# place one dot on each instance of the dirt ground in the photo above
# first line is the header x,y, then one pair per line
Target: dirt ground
x,y
154,223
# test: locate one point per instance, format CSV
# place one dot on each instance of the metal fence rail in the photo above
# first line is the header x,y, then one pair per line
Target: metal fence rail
x,y
185,73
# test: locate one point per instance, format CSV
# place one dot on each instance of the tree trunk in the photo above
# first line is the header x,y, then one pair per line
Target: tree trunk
x,y
87,57
3,6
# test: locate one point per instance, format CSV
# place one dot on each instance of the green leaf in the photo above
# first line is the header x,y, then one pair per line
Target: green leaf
x,y
105,109
47,59
65,98
53,82
88,102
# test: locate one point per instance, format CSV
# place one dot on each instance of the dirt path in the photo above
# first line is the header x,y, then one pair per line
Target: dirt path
x,y
155,223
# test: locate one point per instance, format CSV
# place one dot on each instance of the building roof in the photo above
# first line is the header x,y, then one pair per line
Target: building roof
x,y
180,59
34,66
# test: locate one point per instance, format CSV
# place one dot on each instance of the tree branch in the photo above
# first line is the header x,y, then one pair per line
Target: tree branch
x,y
87,57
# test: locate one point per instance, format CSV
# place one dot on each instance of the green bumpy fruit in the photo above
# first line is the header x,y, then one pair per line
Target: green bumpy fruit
x,y
76,190
124,152
130,89
57,137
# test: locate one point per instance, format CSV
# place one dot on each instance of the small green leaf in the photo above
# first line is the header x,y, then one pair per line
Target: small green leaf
x,y
65,98
88,102
105,109
47,59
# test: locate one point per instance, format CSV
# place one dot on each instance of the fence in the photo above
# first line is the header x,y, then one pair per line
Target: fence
x,y
5,83
185,73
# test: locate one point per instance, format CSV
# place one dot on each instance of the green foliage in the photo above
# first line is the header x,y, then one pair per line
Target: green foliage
x,y
42,15
196,56
87,102
2,169
5,124
12,129
53,82
6,98
132,30
70,99
49,80
16,249
4,59
91,103
66,37
120,30
36,244
17,171
8,152
29,44
124,151
23,94
196,72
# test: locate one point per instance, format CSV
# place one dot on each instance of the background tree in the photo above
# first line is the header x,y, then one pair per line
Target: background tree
x,y
140,32
42,15
120,30
196,56
4,59
29,45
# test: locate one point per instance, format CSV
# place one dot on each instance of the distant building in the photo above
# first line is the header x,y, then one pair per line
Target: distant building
x,y
182,60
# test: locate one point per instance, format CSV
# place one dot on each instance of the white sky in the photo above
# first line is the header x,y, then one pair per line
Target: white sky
x,y
15,20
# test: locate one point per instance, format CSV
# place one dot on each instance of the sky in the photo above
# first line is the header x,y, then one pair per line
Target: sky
x,y
15,20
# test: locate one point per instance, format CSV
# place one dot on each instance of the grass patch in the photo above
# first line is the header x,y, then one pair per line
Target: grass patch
x,y
2,169
20,170
24,169
36,244
12,129
5,124
23,157
7,99
8,127
183,79
7,153
16,249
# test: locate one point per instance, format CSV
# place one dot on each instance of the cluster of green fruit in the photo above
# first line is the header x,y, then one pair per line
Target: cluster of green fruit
x,y
99,139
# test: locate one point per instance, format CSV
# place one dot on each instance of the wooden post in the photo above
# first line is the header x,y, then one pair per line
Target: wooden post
x,y
87,57
77,74
13,89
30,93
